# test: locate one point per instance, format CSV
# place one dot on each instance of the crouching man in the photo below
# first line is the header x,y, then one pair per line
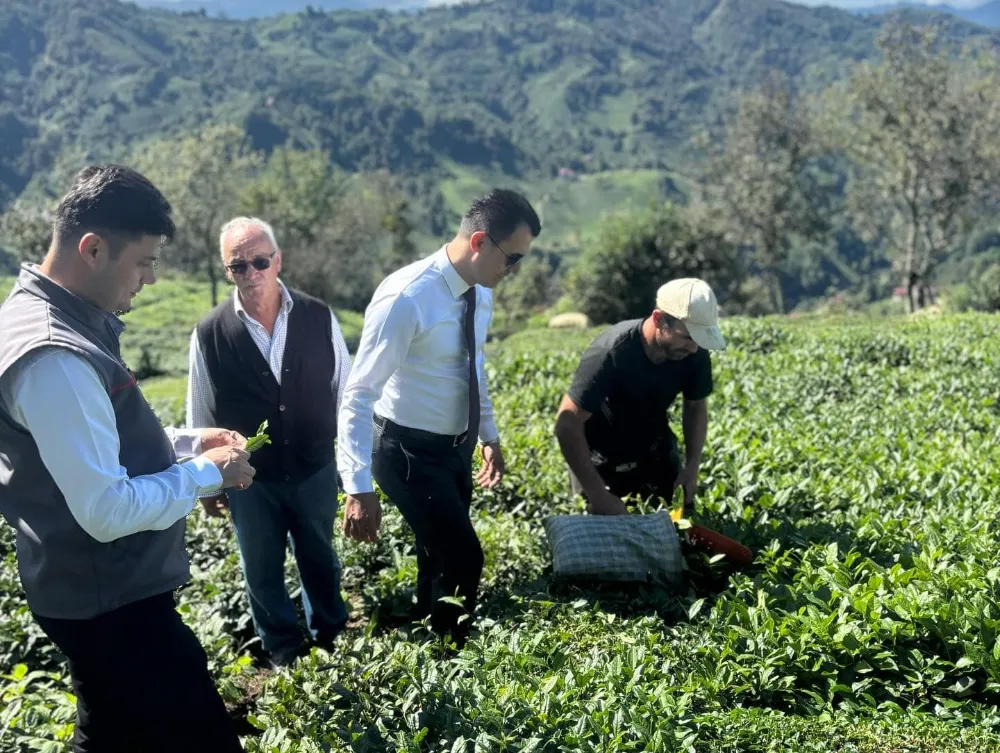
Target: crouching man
x,y
612,425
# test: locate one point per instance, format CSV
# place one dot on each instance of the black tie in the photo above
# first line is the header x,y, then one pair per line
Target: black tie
x,y
470,343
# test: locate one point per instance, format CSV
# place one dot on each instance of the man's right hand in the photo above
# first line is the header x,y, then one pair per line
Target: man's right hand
x,y
362,516
234,465
603,502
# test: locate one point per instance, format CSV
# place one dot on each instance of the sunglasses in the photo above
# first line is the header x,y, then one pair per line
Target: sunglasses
x,y
260,263
512,260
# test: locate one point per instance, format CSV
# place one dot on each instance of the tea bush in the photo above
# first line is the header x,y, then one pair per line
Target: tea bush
x,y
859,459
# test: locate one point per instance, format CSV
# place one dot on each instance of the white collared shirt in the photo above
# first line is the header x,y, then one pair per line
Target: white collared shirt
x,y
200,393
57,396
411,366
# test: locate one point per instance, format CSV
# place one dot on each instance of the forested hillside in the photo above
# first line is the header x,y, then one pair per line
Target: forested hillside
x,y
523,87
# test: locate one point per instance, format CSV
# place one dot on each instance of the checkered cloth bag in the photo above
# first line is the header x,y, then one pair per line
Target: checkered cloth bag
x,y
629,547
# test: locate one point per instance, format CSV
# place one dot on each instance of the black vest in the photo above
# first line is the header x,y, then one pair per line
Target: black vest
x,y
301,412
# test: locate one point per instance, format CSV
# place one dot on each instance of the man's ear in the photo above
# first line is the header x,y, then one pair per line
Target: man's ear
x,y
91,248
476,241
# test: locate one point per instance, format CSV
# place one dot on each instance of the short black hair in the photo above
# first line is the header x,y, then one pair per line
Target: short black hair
x,y
115,201
499,213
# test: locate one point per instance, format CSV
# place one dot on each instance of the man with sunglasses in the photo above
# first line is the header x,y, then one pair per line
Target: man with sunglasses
x,y
274,353
612,424
416,403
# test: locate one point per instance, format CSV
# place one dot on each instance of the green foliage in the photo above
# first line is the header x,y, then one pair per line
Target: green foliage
x,y
920,129
636,252
869,621
200,175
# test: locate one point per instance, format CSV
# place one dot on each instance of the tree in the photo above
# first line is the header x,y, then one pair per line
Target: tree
x,y
637,251
920,130
339,233
760,183
26,231
201,175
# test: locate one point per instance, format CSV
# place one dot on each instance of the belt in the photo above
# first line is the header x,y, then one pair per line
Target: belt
x,y
389,428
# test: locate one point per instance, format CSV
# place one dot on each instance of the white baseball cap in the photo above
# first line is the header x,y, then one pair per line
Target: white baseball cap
x,y
692,301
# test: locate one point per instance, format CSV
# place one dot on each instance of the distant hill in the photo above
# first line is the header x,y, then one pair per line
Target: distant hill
x,y
588,102
986,15
264,8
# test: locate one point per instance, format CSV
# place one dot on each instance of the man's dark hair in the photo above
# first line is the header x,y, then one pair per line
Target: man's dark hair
x,y
115,201
499,213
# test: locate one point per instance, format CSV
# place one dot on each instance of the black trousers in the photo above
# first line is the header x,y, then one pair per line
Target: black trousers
x,y
429,480
650,472
142,683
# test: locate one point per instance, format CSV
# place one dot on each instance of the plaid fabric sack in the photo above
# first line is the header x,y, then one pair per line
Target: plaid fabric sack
x,y
632,547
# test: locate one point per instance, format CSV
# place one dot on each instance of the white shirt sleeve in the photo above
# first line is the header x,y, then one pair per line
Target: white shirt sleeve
x,y
60,399
200,396
487,425
389,327
343,356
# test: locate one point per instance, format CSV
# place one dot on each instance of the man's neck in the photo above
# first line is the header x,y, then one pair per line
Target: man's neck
x,y
263,308
653,352
459,254
57,272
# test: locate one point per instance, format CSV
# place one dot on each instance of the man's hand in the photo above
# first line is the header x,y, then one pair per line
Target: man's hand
x,y
603,502
493,466
215,506
212,438
362,516
234,465
687,479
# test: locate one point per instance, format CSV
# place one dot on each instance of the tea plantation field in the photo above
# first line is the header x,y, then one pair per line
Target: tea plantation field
x,y
860,460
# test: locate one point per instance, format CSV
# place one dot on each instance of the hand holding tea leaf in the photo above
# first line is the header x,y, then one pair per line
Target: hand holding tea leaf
x,y
259,439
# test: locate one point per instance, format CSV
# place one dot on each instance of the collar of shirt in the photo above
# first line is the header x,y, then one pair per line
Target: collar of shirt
x,y
286,301
456,284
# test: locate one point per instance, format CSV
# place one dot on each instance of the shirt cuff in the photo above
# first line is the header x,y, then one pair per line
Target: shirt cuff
x,y
186,442
488,432
358,482
206,475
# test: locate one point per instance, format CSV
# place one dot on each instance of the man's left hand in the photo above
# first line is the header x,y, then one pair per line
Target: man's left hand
x,y
493,468
212,438
687,479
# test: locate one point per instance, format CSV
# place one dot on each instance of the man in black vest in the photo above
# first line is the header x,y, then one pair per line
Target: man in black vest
x,y
272,353
96,489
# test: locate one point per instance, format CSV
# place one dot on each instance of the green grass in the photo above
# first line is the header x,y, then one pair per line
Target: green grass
x,y
857,456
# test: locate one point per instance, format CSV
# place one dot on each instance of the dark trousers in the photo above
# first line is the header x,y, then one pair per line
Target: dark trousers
x,y
266,515
430,481
652,472
142,683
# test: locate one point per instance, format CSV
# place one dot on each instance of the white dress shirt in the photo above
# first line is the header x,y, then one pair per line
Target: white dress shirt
x,y
412,366
58,397
200,393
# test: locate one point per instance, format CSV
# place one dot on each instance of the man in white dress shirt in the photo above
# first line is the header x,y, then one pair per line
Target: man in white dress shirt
x,y
270,352
96,490
416,403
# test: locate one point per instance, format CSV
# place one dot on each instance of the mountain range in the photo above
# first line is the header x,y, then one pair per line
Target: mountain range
x,y
987,13
586,104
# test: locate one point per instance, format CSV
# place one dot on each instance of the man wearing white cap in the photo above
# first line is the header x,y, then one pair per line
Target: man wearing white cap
x,y
612,425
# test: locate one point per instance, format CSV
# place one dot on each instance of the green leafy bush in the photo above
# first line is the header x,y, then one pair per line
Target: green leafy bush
x,y
858,459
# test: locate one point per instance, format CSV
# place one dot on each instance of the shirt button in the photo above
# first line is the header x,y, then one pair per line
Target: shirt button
x,y
286,441
287,477
281,407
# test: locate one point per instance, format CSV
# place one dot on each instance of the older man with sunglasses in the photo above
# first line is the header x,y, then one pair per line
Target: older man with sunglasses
x,y
274,353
